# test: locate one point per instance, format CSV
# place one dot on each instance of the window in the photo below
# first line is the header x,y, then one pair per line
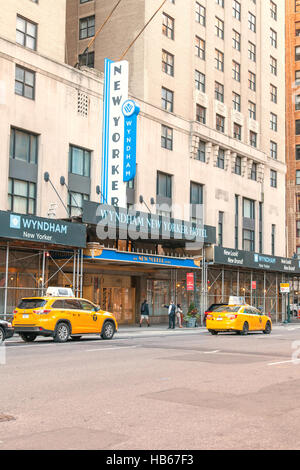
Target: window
x,y
220,2
221,159
200,48
196,193
252,81
236,10
297,152
273,239
273,93
297,177
237,131
297,6
23,146
79,161
200,81
273,65
219,60
273,38
236,71
252,51
219,92
168,63
297,102
164,185
200,14
253,174
238,165
220,123
298,228
253,139
201,152
273,150
236,40
251,22
26,33
273,122
297,127
248,208
252,110
273,9
24,82
87,27
219,28
297,77
273,178
21,196
297,53
76,202
168,26
248,240
200,114
87,60
166,137
220,228
167,99
236,101
297,29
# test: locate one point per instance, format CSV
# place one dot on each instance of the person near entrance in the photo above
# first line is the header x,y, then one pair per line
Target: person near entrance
x,y
179,315
172,314
144,313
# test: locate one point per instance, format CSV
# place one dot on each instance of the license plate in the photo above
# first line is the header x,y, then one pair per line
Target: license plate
x,y
25,316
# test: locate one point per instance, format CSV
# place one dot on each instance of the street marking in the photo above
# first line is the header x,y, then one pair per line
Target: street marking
x,y
282,362
110,349
212,352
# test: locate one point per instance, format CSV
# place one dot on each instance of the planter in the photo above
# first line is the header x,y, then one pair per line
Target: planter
x,y
191,323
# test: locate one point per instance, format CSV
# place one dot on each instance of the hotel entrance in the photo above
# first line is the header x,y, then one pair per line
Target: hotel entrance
x,y
120,301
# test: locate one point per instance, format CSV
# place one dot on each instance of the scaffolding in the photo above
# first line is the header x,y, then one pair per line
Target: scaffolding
x,y
28,272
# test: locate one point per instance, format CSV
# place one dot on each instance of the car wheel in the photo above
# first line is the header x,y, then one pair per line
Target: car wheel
x,y
62,333
213,332
75,338
245,329
2,335
268,328
28,337
108,330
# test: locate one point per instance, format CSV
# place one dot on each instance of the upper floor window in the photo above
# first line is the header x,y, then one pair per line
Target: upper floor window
x,y
200,81
236,10
252,22
219,28
168,63
167,99
87,27
273,38
273,8
23,146
168,26
26,33
164,185
21,196
24,82
200,14
166,137
79,161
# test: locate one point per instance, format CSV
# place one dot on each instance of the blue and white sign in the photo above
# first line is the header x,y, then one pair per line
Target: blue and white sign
x,y
115,95
131,112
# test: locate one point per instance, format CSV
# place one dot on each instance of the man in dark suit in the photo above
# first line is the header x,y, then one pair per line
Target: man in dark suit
x,y
172,314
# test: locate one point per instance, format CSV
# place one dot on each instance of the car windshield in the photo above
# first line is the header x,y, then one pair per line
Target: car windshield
x,y
27,304
227,309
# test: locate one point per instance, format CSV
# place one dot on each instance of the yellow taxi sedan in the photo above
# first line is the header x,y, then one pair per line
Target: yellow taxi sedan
x,y
61,318
238,318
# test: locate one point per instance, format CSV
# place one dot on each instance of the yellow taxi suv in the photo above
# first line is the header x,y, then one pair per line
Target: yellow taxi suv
x,y
238,318
61,318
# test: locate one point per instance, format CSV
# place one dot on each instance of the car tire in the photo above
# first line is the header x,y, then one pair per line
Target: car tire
x,y
213,332
245,329
28,337
2,335
108,330
75,338
268,328
62,333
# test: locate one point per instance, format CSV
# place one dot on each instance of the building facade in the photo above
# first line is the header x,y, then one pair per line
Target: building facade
x,y
293,126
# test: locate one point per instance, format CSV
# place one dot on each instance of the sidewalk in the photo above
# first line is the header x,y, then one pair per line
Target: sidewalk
x,y
134,331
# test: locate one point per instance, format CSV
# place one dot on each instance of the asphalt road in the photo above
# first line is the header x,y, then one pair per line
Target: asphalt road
x,y
180,390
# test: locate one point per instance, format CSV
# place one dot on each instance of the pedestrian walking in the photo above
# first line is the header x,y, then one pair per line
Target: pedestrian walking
x,y
179,315
144,313
172,314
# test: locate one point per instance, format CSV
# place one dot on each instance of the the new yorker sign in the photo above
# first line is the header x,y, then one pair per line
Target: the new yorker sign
x,y
118,135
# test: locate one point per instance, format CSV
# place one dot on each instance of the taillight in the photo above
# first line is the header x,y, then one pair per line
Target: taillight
x,y
231,316
41,312
15,311
209,316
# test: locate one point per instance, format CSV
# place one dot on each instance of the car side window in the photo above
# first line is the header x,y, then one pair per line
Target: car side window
x,y
86,306
72,304
58,304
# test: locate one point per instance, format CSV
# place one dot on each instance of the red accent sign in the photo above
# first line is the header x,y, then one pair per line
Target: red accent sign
x,y
190,281
254,285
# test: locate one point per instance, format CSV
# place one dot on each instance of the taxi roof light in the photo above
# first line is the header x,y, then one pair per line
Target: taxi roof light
x,y
59,292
